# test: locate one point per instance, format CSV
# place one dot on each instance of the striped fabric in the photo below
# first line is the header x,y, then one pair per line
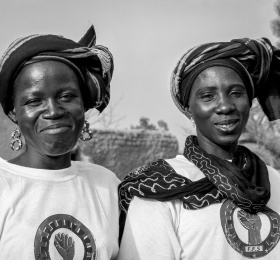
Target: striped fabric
x,y
259,57
95,62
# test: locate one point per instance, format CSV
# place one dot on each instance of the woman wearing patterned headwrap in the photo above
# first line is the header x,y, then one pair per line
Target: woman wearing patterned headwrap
x,y
218,200
52,207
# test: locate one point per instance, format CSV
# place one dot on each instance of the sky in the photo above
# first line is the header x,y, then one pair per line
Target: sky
x,y
146,38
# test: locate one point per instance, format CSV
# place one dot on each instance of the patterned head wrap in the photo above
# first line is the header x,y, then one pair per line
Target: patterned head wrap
x,y
92,63
256,61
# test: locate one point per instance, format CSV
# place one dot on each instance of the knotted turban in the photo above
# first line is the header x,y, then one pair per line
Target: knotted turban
x,y
92,63
256,61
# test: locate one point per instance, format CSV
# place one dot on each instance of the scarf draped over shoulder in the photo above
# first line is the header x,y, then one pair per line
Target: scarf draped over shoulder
x,y
244,181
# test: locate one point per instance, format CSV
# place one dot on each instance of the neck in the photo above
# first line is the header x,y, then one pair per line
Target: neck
x,y
40,161
223,152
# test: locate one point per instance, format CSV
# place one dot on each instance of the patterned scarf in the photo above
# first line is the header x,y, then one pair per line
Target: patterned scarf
x,y
245,181
258,58
94,63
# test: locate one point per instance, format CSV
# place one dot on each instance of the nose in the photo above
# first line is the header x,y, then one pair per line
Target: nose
x,y
53,110
224,105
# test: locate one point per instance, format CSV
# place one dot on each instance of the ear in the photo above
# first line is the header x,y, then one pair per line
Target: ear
x,y
12,116
188,111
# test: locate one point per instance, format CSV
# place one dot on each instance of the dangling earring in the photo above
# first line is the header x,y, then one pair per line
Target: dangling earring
x,y
86,134
193,123
16,134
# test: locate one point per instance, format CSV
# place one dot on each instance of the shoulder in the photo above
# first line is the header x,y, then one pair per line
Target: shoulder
x,y
274,175
272,170
3,164
155,211
274,179
150,231
185,168
146,206
179,164
8,182
95,172
5,169
159,166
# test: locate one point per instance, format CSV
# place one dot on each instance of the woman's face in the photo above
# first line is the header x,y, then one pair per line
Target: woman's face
x,y
220,107
48,107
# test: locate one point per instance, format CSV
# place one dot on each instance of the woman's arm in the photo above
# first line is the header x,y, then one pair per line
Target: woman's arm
x,y
149,232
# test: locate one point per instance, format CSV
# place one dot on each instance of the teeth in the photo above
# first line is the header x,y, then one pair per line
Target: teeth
x,y
227,125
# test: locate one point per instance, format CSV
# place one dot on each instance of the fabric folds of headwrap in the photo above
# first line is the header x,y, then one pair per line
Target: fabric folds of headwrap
x,y
245,181
93,63
258,57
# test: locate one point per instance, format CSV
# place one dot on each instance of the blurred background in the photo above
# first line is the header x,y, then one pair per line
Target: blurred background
x,y
147,38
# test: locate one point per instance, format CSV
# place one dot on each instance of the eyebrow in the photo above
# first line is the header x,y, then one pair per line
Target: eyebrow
x,y
214,87
208,88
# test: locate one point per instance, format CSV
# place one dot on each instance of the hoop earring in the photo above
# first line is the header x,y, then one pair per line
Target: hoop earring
x,y
193,123
86,134
16,143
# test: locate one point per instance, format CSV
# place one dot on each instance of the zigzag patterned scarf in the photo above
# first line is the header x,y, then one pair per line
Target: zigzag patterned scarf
x,y
244,181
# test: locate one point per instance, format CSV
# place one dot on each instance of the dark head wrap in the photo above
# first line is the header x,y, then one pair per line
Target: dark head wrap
x,y
256,61
92,63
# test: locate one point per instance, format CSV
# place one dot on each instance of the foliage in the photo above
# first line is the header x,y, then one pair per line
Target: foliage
x,y
275,24
144,124
108,119
265,136
163,125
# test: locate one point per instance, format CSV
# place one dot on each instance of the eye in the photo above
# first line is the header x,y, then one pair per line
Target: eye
x,y
206,97
33,102
237,93
67,97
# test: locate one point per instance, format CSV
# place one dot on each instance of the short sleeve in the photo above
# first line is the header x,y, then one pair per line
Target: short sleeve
x,y
149,232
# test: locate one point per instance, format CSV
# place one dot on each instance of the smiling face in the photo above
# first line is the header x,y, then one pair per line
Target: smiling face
x,y
220,107
48,108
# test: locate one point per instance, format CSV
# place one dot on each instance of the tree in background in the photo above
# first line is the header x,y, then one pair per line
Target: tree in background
x,y
144,124
163,125
262,136
108,119
275,24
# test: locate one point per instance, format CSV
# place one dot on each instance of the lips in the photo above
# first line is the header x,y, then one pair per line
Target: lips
x,y
55,128
228,125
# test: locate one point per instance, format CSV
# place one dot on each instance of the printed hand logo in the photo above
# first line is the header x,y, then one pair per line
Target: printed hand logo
x,y
65,246
253,224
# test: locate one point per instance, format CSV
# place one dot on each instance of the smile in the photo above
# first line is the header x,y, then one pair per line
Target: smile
x,y
227,125
56,128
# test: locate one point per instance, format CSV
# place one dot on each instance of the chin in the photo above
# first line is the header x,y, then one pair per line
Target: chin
x,y
60,149
228,140
57,153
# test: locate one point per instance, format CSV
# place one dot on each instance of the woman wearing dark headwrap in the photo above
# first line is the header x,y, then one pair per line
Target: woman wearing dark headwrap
x,y
52,207
218,200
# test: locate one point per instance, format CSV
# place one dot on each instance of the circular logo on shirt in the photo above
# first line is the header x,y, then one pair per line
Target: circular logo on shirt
x,y
251,235
63,242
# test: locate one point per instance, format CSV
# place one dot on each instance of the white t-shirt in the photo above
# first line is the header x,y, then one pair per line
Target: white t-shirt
x,y
58,214
167,231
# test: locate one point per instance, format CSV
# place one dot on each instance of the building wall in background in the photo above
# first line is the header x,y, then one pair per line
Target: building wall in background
x,y
118,150
122,151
